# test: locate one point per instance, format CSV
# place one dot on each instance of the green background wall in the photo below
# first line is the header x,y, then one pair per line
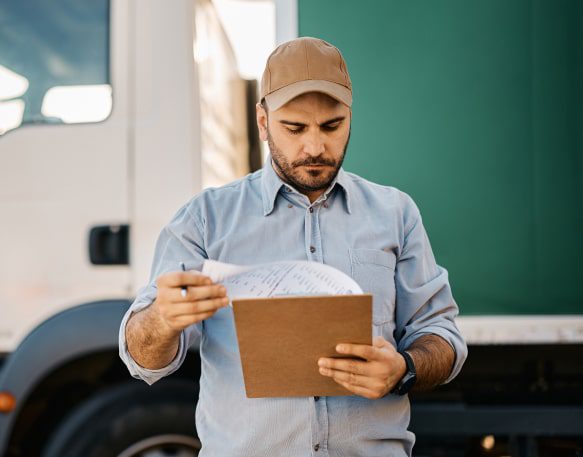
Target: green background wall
x,y
475,110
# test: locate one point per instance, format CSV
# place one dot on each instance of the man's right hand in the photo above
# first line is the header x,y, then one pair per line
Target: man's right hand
x,y
203,299
153,334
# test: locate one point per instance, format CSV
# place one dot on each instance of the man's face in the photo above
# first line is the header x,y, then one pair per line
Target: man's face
x,y
307,139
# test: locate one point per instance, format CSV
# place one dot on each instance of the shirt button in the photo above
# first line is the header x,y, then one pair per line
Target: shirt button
x,y
325,205
316,398
316,447
312,249
311,209
289,205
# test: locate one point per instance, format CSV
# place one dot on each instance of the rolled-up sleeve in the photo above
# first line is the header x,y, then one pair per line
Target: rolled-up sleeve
x,y
425,304
179,241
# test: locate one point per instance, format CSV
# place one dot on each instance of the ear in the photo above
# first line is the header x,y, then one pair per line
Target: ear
x,y
261,115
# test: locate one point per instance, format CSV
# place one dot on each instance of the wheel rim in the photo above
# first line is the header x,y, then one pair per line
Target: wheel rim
x,y
164,446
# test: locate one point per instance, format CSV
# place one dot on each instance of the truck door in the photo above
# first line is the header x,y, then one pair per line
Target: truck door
x,y
63,155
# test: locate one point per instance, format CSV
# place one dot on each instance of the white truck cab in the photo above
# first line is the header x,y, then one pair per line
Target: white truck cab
x,y
112,115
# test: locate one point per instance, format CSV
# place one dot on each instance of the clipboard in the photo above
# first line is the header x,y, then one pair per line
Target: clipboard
x,y
282,338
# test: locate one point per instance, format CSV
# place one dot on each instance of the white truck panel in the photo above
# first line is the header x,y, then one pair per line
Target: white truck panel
x,y
56,181
166,132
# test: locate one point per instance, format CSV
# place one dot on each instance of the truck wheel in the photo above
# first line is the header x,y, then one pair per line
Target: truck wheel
x,y
131,420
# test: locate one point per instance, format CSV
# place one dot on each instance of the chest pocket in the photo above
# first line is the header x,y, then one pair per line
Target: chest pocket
x,y
374,271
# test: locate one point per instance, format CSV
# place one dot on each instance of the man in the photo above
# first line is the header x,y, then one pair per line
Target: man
x,y
301,206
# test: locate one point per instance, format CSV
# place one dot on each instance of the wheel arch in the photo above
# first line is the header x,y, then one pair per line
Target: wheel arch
x,y
63,361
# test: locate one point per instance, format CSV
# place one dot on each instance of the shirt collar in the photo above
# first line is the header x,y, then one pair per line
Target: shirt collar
x,y
271,183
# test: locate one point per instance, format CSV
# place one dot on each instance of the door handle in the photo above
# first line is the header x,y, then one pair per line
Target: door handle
x,y
109,245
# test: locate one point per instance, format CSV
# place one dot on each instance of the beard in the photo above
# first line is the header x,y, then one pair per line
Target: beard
x,y
306,180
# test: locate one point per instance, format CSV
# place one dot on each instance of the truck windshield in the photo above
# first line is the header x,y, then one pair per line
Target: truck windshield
x,y
54,62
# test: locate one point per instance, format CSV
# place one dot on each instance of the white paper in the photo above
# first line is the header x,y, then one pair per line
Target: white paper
x,y
280,278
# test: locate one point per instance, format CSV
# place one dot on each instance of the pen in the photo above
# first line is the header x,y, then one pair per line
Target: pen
x,y
183,290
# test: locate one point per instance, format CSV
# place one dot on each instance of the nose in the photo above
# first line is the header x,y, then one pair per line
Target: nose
x,y
314,144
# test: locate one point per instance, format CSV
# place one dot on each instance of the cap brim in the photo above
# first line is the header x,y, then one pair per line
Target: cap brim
x,y
280,97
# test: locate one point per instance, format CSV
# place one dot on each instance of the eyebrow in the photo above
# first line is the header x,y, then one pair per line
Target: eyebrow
x,y
300,124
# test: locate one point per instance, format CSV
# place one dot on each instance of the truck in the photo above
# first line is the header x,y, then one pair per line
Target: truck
x,y
113,113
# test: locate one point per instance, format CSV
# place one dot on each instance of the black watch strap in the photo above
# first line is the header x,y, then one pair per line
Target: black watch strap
x,y
409,378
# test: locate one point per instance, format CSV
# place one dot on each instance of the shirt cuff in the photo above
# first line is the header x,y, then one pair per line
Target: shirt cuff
x,y
135,369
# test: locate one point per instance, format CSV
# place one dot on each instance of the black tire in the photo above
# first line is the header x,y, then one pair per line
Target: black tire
x,y
131,420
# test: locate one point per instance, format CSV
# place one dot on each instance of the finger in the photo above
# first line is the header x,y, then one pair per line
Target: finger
x,y
347,377
210,305
364,351
346,365
188,320
195,293
359,390
198,307
182,278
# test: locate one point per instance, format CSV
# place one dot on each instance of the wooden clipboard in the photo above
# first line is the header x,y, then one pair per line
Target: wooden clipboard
x,y
282,338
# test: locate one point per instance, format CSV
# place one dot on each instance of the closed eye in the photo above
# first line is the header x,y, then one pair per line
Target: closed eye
x,y
295,131
331,127
332,124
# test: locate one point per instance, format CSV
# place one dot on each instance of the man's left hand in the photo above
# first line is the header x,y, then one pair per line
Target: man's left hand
x,y
374,376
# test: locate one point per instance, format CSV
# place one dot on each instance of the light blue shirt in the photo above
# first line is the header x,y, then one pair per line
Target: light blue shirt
x,y
371,232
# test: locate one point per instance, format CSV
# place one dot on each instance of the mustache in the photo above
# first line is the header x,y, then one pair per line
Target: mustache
x,y
314,161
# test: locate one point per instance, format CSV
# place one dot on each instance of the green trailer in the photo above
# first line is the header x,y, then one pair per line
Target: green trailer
x,y
475,109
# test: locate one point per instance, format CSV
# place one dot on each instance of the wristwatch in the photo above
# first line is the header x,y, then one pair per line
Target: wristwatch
x,y
408,380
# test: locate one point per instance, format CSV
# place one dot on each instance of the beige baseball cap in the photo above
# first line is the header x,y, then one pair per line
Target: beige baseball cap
x,y
305,65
